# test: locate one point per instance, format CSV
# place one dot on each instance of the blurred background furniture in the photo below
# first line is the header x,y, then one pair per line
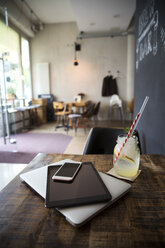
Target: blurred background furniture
x,y
17,115
82,95
74,121
130,108
88,114
79,97
96,110
88,104
115,103
61,111
79,107
33,114
40,117
102,140
49,106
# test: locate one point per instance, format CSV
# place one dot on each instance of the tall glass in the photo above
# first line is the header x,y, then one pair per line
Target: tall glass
x,y
127,164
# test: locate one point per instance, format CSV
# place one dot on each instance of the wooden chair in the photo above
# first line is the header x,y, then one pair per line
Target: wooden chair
x,y
96,110
129,109
86,116
61,111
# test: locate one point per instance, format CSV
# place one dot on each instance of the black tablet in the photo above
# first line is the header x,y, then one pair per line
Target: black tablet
x,y
86,188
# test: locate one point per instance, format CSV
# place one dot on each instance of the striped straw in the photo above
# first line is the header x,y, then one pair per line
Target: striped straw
x,y
134,125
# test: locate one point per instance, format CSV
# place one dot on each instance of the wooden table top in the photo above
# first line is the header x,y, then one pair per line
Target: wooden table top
x,y
24,108
136,220
79,104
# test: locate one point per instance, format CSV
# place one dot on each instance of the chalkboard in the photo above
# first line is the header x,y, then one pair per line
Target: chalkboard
x,y
150,73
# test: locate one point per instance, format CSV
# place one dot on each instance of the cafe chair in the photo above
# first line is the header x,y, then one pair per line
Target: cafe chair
x,y
61,111
101,140
74,118
88,104
96,110
87,115
129,109
115,103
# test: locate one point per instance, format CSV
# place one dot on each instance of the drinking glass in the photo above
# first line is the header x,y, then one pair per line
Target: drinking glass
x,y
127,163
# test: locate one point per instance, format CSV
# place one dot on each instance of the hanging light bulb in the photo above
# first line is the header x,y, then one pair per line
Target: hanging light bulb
x,y
75,58
75,61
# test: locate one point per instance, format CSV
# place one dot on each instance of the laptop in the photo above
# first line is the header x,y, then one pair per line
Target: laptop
x,y
79,215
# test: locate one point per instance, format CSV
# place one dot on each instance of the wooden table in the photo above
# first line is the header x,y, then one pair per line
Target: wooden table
x,y
136,220
29,109
80,106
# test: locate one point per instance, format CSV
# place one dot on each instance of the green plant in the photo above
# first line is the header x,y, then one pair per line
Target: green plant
x,y
126,130
135,133
10,90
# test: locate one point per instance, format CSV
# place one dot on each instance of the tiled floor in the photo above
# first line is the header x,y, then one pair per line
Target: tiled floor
x,y
76,146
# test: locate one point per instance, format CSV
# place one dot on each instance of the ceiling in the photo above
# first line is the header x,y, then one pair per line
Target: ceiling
x,y
90,15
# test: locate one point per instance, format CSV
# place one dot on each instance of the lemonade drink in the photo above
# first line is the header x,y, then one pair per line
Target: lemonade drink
x,y
127,164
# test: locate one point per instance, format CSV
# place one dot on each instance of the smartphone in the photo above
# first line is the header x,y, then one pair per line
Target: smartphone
x,y
67,171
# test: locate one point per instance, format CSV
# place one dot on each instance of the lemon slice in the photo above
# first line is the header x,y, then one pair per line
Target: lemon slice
x,y
127,159
115,152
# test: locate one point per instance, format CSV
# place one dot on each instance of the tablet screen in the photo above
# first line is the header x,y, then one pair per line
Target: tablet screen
x,y
87,187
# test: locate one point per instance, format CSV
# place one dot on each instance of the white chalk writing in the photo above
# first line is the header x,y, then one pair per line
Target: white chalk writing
x,y
162,36
147,33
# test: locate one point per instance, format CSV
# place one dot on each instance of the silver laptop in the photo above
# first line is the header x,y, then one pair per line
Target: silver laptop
x,y
77,216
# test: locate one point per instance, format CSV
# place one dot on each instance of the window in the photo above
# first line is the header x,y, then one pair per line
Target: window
x,y
26,76
16,65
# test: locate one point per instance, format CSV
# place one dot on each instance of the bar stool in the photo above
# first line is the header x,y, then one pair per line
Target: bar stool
x,y
74,118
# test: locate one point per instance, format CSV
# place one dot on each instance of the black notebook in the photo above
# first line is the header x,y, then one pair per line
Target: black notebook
x,y
86,188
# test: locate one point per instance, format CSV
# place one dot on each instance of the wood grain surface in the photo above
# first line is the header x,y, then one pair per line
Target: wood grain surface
x,y
136,220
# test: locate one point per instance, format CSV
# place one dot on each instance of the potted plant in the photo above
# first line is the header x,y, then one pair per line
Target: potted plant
x,y
11,92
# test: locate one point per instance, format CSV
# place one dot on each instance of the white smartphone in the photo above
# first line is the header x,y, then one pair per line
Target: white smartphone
x,y
67,171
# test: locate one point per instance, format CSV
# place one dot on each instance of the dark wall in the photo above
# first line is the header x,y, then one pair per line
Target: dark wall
x,y
150,73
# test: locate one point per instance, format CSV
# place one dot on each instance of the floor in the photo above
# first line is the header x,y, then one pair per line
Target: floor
x,y
76,146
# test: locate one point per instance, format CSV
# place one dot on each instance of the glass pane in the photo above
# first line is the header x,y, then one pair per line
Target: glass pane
x,y
26,68
10,51
9,84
